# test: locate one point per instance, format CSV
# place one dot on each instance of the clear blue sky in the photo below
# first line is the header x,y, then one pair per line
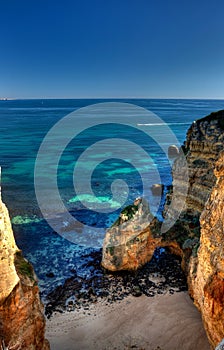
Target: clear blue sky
x,y
112,48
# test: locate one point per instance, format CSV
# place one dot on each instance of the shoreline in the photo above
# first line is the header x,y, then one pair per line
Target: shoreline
x,y
164,322
163,274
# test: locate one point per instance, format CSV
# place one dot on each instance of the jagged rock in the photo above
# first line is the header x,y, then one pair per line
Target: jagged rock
x,y
204,267
22,324
205,140
197,235
129,243
207,282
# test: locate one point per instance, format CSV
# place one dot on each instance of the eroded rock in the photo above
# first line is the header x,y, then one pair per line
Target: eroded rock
x,y
207,282
129,243
22,324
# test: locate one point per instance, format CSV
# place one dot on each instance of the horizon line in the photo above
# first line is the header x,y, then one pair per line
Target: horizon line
x,y
108,98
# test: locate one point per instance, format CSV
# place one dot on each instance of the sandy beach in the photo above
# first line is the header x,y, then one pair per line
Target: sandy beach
x,y
165,322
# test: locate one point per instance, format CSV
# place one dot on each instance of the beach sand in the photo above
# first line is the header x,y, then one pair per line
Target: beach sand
x,y
165,322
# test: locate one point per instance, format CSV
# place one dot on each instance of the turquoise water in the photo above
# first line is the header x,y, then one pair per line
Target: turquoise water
x,y
24,124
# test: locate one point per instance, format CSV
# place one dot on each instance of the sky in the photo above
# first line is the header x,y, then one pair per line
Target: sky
x,y
112,48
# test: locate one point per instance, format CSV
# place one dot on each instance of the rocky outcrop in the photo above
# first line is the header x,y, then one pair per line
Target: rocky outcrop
x,y
206,277
133,238
198,234
22,324
129,243
201,223
205,141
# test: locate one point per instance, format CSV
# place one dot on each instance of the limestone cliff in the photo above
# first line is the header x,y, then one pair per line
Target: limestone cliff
x,y
205,140
199,225
206,276
22,324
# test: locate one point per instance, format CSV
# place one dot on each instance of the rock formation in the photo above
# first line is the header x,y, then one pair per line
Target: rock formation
x,y
133,238
129,244
206,277
199,225
22,324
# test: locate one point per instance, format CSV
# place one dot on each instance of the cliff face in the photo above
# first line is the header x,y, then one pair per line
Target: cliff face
x,y
198,234
8,248
22,323
205,140
206,277
203,221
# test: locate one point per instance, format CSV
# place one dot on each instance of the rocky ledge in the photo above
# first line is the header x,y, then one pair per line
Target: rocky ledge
x,y
22,324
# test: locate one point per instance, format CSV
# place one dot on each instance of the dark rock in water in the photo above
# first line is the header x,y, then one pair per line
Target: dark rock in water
x,y
157,189
173,151
50,274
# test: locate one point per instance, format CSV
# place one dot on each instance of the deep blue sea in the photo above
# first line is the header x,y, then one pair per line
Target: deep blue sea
x,y
25,123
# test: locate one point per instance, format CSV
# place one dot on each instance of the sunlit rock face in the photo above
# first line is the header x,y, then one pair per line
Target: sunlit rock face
x,y
129,243
22,324
132,239
205,140
207,276
8,274
197,235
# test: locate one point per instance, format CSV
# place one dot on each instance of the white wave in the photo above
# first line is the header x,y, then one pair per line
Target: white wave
x,y
161,124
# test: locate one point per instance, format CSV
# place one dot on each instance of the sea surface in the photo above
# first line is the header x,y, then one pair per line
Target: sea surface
x,y
24,125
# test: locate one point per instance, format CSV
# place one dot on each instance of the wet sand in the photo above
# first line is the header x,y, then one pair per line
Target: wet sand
x,y
164,322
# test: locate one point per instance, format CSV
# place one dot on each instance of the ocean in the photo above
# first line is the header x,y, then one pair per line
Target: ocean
x,y
133,166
